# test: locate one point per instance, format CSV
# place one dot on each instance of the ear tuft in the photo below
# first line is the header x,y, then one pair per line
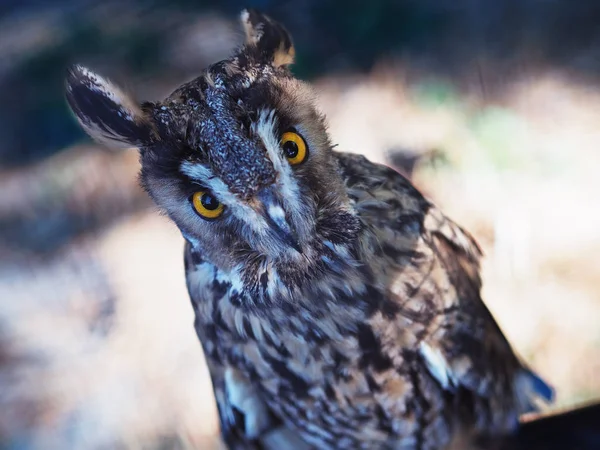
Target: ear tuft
x,y
268,38
106,113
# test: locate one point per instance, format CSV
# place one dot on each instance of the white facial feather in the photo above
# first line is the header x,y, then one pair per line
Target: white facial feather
x,y
219,189
265,128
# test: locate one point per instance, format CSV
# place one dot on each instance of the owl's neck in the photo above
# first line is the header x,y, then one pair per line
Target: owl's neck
x,y
326,270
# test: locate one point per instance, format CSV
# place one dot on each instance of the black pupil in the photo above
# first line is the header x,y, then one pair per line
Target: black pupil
x,y
209,202
290,148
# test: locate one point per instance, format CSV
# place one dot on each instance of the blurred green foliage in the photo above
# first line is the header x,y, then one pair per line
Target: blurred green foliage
x,y
434,93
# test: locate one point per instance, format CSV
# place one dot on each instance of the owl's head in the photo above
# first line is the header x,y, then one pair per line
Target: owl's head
x,y
239,158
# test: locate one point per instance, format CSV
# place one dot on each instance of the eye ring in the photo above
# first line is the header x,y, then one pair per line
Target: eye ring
x,y
206,205
294,147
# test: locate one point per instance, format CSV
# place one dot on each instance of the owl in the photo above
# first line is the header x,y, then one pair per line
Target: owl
x,y
336,306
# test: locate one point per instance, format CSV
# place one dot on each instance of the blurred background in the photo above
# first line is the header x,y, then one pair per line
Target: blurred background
x,y
492,109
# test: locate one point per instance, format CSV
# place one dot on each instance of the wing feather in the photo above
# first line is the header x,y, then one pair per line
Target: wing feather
x,y
438,271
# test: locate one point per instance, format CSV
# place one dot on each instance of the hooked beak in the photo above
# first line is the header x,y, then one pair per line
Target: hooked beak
x,y
275,216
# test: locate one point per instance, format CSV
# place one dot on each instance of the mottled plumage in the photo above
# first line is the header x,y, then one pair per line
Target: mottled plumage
x,y
336,306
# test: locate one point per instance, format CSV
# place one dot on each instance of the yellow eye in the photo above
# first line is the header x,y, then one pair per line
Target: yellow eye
x,y
207,205
294,147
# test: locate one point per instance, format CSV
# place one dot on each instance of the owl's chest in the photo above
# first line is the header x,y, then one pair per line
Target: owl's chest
x,y
258,339
344,372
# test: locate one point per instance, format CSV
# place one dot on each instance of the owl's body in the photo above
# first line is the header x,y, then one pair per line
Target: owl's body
x,y
387,345
333,302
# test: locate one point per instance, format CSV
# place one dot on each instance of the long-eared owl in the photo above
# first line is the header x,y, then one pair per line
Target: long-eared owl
x,y
336,306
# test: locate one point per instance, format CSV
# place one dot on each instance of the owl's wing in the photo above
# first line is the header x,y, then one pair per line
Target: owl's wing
x,y
434,277
468,345
246,423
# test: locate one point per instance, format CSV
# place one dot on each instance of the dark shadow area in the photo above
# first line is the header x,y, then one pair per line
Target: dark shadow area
x,y
573,429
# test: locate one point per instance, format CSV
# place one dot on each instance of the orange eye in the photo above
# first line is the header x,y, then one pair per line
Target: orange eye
x,y
207,205
294,147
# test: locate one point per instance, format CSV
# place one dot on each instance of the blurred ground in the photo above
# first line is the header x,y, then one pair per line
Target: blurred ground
x,y
498,125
